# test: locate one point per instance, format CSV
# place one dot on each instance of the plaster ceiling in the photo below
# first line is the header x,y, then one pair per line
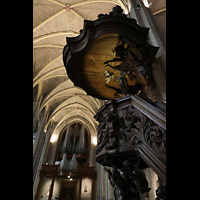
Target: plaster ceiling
x,y
52,23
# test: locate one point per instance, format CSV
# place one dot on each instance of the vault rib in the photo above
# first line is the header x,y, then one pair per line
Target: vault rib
x,y
49,77
72,113
77,14
159,11
58,3
38,74
42,37
69,106
48,19
38,80
47,45
58,95
93,1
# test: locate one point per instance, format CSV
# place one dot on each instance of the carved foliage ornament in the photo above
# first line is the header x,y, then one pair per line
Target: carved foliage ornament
x,y
139,128
134,128
123,131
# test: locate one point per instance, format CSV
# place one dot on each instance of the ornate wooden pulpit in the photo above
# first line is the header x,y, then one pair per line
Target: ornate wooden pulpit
x,y
111,60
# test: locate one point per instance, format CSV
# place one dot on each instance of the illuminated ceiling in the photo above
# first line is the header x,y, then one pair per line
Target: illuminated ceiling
x,y
53,21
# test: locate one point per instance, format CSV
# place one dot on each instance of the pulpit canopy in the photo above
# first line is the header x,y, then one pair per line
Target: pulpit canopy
x,y
111,57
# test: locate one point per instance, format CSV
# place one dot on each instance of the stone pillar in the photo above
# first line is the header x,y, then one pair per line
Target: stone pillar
x,y
104,188
160,78
38,144
102,183
98,181
39,151
106,184
36,107
145,18
47,141
110,190
41,124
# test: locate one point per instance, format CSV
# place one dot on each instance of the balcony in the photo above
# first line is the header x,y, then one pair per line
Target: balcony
x,y
54,171
49,170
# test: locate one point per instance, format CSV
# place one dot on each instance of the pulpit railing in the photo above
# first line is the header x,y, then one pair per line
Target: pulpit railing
x,y
132,137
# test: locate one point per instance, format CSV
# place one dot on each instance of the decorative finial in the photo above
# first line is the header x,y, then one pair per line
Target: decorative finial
x,y
117,10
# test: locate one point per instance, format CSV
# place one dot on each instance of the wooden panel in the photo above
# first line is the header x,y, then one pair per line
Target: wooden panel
x,y
82,171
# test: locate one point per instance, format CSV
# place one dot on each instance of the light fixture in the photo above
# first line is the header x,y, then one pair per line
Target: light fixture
x,y
68,176
146,3
70,179
94,140
53,138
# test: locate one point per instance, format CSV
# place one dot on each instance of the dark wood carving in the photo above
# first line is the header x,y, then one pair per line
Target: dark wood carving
x,y
161,191
131,136
131,181
132,126
138,128
128,72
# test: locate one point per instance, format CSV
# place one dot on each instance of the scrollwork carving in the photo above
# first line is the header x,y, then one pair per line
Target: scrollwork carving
x,y
130,141
139,128
136,128
155,137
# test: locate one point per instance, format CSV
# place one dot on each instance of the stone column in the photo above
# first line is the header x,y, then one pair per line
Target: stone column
x,y
36,107
41,124
145,18
38,144
39,152
102,183
98,181
104,188
106,184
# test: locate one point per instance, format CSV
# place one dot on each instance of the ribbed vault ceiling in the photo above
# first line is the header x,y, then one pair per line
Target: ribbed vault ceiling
x,y
53,21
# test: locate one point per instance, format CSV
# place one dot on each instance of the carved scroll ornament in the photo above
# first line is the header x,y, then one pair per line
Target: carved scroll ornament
x,y
131,139
140,129
133,128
